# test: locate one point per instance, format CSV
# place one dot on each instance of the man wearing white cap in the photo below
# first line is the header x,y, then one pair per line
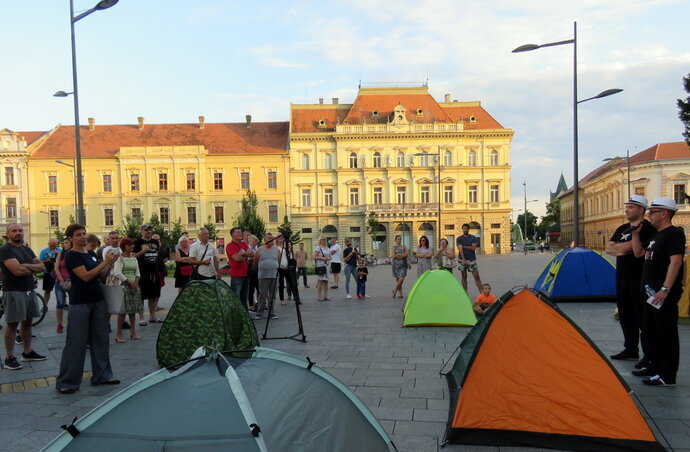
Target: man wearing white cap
x,y
628,274
663,273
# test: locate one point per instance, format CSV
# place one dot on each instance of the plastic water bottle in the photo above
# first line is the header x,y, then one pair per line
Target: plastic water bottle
x,y
650,292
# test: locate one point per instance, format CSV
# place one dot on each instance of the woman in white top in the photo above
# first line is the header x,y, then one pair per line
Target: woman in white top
x,y
322,255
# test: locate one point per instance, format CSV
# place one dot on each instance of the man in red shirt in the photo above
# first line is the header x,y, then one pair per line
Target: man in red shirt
x,y
238,252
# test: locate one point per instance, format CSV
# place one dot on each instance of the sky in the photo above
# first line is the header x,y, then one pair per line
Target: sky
x,y
171,61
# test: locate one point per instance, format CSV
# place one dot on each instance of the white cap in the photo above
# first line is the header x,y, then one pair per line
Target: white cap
x,y
637,200
664,203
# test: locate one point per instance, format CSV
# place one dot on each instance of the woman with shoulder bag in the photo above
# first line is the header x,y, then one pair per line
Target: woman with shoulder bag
x,y
62,286
322,255
183,269
126,272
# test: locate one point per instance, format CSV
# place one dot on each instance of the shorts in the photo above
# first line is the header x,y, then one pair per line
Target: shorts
x,y
470,267
335,267
48,282
21,306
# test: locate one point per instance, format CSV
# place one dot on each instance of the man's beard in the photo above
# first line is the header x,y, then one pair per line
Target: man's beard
x,y
17,240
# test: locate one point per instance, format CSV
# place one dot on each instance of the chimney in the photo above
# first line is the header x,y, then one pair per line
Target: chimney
x,y
141,122
335,101
249,121
447,96
92,123
320,100
201,122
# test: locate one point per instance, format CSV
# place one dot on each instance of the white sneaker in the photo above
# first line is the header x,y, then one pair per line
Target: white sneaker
x,y
348,296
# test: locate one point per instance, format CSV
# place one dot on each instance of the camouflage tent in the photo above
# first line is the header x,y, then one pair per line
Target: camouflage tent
x,y
206,313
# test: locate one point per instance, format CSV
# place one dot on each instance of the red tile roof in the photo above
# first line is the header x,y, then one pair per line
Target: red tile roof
x,y
307,119
384,104
224,138
483,120
30,137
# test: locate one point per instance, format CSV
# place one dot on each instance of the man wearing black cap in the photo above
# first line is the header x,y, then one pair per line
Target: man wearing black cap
x,y
662,276
146,252
628,273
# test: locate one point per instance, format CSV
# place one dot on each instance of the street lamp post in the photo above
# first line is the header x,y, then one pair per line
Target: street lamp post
x,y
608,92
627,161
103,4
524,185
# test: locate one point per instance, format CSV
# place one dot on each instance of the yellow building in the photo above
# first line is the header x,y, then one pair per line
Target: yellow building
x,y
407,158
661,170
186,171
14,153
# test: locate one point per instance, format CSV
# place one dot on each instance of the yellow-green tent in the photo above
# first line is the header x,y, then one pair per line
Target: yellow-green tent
x,y
437,298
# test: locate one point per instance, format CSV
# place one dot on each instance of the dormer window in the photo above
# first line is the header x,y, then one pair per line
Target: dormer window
x,y
399,115
375,114
473,119
322,123
420,112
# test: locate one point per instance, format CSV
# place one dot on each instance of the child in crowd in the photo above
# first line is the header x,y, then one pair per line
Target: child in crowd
x,y
362,273
484,300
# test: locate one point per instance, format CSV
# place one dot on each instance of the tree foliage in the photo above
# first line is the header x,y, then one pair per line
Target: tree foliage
x,y
211,228
531,224
286,230
373,226
60,232
131,227
684,109
248,218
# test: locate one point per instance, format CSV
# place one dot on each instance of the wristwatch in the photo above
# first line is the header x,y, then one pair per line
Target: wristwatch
x,y
665,289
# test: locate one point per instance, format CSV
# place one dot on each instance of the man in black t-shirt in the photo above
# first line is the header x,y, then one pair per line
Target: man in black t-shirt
x,y
18,265
146,251
629,298
662,273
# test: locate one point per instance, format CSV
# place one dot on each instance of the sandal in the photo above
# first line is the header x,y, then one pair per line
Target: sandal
x,y
326,299
319,299
134,338
143,323
66,390
283,303
120,341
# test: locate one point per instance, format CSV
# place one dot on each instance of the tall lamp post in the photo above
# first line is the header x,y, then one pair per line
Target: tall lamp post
x,y
103,4
608,92
524,185
627,161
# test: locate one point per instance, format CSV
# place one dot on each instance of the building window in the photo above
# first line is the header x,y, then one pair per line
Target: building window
x,y
305,161
191,215
244,180
52,184
272,213
353,160
306,197
378,195
495,225
191,181
494,193
134,182
163,181
108,217
639,191
424,159
328,197
472,194
164,215
219,214
328,161
679,193
448,158
402,195
448,193
107,183
272,179
11,208
494,158
9,175
354,196
400,159
472,158
377,160
424,194
136,212
217,181
54,218
306,230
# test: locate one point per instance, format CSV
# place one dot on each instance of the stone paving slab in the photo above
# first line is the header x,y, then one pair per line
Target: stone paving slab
x,y
394,370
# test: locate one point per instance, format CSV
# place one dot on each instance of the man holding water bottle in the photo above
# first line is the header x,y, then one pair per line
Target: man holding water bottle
x,y
662,275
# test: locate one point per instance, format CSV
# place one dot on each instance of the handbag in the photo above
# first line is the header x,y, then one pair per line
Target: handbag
x,y
67,285
114,298
195,269
321,270
186,270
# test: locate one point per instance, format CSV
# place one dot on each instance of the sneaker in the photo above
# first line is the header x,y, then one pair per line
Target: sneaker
x,y
60,329
348,296
626,354
644,362
644,372
273,316
656,380
32,356
258,317
11,363
366,296
18,340
125,325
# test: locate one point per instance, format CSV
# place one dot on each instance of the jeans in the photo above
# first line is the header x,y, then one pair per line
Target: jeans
x,y
361,287
240,285
302,271
350,270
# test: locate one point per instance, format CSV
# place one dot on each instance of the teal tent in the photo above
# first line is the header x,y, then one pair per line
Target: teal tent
x,y
438,298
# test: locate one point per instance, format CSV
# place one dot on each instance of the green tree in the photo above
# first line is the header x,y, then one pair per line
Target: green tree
x,y
373,226
684,109
286,230
176,232
531,224
60,232
211,227
248,219
553,213
131,228
162,231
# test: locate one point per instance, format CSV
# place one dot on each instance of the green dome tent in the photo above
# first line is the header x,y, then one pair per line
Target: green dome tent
x,y
264,400
205,314
436,299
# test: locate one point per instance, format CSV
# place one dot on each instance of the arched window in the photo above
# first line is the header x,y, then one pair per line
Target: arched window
x,y
400,159
328,161
353,160
448,158
494,158
305,161
424,159
377,160
472,158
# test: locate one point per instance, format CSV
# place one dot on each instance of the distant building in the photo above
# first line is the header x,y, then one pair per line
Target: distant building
x,y
661,170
